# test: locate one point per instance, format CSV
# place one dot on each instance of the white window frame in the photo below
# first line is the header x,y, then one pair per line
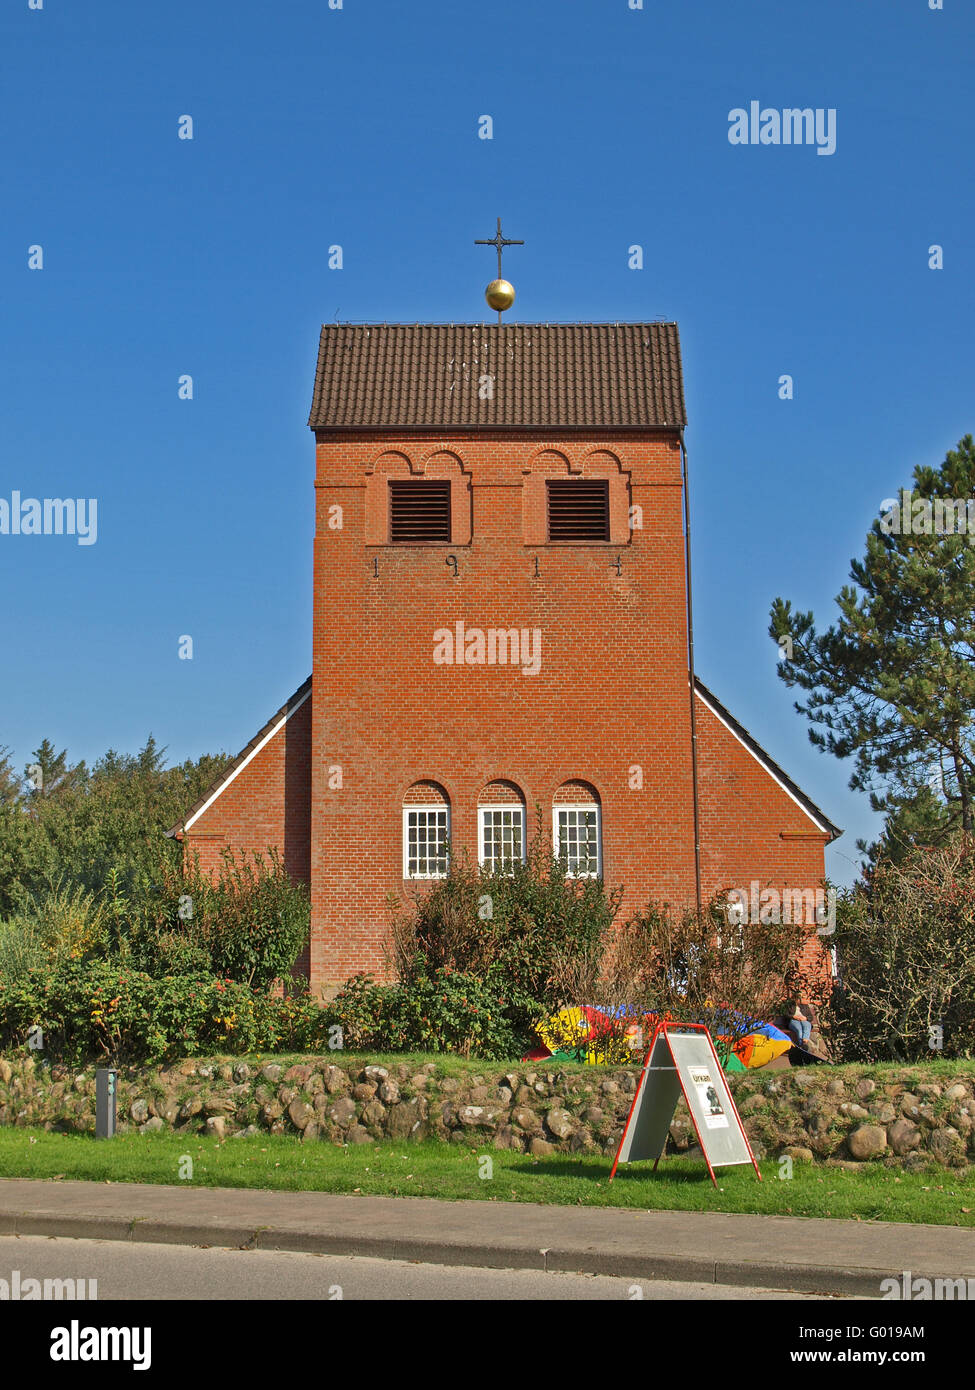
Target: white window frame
x,y
423,808
561,806
515,808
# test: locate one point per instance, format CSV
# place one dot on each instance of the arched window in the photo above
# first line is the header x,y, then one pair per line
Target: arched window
x,y
577,829
426,831
500,826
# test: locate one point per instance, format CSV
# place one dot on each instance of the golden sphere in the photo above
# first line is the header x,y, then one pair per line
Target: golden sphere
x,y
500,294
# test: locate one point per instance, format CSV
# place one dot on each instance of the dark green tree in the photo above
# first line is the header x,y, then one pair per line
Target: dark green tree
x,y
79,825
48,771
892,682
18,839
920,820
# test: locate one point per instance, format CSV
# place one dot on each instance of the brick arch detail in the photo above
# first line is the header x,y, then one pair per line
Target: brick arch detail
x,y
548,449
426,791
502,791
599,451
576,791
440,452
398,454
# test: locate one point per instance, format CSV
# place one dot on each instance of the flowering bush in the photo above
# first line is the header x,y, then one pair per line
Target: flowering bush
x,y
59,922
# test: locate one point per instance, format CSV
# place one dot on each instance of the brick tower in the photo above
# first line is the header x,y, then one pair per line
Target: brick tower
x,y
500,639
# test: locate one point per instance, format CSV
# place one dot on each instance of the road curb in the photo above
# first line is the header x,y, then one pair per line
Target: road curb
x,y
822,1279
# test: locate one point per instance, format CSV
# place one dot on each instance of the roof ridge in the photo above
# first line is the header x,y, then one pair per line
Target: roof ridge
x,y
235,764
752,743
481,323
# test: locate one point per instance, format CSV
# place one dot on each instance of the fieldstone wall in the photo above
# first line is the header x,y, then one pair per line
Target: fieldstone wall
x,y
817,1114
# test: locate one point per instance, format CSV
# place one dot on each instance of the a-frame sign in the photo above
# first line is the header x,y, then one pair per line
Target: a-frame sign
x,y
682,1060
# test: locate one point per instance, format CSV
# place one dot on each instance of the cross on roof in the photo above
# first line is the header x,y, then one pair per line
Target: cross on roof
x,y
499,241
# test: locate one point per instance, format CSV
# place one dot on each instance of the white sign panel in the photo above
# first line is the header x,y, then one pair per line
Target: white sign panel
x,y
705,1088
653,1106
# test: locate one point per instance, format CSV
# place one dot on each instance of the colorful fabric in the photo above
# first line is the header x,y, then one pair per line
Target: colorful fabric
x,y
601,1037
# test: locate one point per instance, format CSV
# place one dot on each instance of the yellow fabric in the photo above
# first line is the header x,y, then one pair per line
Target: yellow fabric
x,y
756,1050
569,1029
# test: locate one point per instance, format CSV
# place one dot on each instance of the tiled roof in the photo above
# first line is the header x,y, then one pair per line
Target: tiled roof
x,y
548,375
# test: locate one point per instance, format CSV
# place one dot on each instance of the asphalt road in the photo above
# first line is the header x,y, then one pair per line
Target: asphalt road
x,y
152,1272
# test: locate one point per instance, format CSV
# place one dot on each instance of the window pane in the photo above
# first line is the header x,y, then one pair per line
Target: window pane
x,y
426,843
501,837
578,839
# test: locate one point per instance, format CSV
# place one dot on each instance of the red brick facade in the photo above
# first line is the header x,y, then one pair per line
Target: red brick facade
x,y
752,827
263,800
607,707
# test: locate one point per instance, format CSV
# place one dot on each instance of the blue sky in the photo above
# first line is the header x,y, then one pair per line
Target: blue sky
x,y
359,127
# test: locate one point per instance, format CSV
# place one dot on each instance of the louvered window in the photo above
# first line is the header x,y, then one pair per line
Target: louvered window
x,y
419,512
578,510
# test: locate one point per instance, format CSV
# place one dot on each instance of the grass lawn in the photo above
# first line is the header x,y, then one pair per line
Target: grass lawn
x,y
451,1171
934,1068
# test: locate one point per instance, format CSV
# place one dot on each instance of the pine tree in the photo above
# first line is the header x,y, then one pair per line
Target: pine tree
x,y
49,771
892,683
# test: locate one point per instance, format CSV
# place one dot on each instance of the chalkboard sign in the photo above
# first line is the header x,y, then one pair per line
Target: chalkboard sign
x,y
682,1061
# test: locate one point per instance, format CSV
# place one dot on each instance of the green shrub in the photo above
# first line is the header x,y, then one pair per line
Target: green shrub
x,y
248,925
100,1010
58,923
65,920
510,931
906,948
21,948
445,1012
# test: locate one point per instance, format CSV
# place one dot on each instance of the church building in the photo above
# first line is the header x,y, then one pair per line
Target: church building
x,y
501,631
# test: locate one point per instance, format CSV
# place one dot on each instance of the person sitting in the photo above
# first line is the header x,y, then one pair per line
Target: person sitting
x,y
797,1023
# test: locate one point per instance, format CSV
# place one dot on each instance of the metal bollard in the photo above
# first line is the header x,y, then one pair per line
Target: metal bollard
x,y
105,1088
